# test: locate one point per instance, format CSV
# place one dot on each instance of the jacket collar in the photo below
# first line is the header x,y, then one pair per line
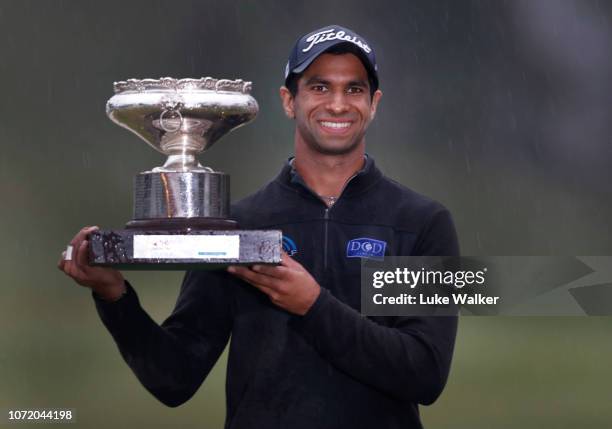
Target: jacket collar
x,y
363,180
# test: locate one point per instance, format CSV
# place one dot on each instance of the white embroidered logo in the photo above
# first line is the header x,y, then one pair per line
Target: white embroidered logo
x,y
324,36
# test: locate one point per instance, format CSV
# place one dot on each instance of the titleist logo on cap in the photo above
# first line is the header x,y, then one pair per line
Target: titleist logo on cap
x,y
324,36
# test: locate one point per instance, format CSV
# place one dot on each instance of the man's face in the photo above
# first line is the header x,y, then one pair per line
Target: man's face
x,y
333,106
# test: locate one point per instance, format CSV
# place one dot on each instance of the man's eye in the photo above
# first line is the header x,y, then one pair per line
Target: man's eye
x,y
319,88
355,90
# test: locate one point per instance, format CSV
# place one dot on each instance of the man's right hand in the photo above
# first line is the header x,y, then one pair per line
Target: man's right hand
x,y
107,283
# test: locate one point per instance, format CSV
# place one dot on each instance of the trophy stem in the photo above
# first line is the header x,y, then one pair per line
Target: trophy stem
x,y
182,162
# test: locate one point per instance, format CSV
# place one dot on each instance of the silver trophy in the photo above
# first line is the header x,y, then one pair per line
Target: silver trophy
x,y
181,209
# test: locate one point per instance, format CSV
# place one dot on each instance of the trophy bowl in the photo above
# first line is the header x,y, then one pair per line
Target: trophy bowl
x,y
181,117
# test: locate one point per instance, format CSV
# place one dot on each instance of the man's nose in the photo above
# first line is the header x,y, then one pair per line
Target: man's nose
x,y
337,103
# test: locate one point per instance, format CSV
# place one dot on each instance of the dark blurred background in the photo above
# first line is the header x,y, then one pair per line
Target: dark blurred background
x,y
500,110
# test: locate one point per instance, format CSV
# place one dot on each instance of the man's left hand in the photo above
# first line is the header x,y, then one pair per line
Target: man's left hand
x,y
288,285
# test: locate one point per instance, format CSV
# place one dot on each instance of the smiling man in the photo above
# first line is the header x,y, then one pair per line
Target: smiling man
x,y
301,354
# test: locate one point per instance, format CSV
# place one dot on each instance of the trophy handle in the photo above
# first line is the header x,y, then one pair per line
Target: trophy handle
x,y
165,122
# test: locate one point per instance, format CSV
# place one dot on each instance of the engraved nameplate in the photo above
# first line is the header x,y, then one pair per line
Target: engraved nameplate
x,y
186,246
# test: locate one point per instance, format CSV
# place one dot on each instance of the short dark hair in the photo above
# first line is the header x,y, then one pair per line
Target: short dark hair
x,y
344,48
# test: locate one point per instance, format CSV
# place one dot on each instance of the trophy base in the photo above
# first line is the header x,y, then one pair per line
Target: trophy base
x,y
183,249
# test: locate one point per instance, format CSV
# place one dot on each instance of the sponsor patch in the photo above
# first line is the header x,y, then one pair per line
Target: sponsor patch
x,y
365,248
289,246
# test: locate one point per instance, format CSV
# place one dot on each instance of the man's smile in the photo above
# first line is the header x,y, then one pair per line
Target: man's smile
x,y
335,126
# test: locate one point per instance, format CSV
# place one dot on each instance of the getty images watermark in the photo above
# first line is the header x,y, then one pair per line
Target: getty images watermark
x,y
405,277
489,285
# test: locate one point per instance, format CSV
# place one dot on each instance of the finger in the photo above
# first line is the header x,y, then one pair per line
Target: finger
x,y
239,271
252,277
271,293
288,261
80,255
62,261
73,270
76,246
81,235
236,270
275,271
243,273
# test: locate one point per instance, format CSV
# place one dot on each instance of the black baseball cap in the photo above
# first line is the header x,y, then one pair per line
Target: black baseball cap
x,y
308,47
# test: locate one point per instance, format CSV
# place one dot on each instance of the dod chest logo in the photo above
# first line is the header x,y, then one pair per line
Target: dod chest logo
x,y
289,246
365,248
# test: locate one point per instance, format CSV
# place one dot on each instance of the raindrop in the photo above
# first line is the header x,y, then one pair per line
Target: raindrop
x,y
85,159
468,167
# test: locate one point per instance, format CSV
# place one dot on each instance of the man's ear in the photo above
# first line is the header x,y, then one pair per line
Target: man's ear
x,y
287,101
375,100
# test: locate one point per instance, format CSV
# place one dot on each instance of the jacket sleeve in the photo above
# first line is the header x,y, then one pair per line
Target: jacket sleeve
x,y
172,360
405,357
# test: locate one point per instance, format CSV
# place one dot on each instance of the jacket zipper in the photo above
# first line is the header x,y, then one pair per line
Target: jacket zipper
x,y
326,219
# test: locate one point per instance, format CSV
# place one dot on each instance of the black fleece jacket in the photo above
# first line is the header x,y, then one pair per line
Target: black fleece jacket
x,y
333,367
